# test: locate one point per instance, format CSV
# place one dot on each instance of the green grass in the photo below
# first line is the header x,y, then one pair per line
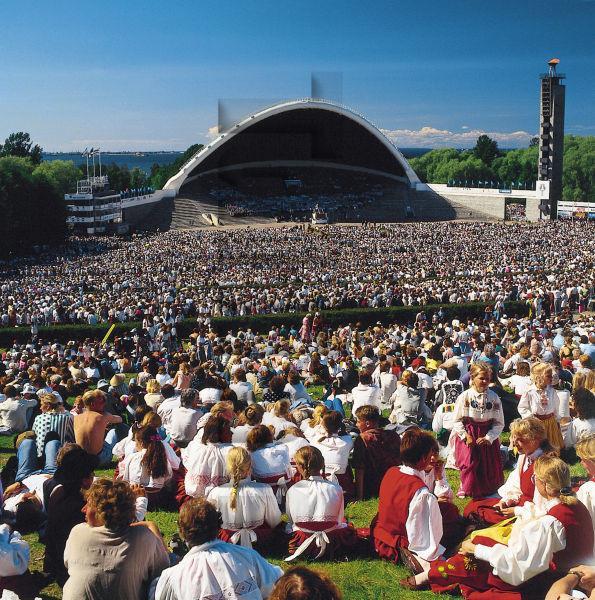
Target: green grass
x,y
359,579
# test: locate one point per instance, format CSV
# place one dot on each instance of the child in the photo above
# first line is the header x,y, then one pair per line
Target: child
x,y
585,449
540,546
446,398
583,424
249,509
478,423
541,401
314,508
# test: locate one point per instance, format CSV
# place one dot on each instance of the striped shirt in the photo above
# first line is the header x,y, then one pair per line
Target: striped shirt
x,y
61,423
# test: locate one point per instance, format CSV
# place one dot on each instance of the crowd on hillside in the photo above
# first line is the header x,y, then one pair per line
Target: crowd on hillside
x,y
165,277
227,431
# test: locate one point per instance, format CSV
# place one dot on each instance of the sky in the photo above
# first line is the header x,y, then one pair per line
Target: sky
x,y
148,75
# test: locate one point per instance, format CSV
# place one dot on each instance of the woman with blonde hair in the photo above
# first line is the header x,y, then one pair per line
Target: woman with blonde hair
x,y
249,509
529,438
312,427
541,401
478,422
279,418
542,544
153,397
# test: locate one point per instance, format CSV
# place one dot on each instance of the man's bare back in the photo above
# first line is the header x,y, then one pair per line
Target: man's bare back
x,y
89,429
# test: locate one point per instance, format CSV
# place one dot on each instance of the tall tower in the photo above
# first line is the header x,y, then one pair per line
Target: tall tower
x,y
551,141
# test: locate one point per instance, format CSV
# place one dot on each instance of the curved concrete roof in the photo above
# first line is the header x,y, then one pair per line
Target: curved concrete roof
x,y
178,180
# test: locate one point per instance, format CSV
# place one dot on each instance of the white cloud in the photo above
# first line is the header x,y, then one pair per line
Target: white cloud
x,y
431,137
465,127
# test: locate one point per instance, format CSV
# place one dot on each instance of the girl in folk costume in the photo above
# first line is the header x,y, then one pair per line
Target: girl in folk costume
x,y
249,509
270,461
408,524
529,437
148,466
541,401
251,417
294,439
314,508
477,424
205,458
313,428
542,546
585,450
335,450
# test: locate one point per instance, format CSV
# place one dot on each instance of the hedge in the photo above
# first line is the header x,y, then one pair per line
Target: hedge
x,y
263,323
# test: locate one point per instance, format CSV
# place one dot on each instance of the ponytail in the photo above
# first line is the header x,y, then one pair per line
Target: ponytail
x,y
155,459
238,465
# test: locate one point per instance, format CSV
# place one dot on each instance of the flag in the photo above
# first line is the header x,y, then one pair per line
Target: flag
x,y
109,332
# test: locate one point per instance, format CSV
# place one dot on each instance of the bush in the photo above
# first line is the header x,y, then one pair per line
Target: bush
x,y
262,323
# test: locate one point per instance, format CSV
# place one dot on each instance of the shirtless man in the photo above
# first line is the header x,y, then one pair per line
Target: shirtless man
x,y
90,427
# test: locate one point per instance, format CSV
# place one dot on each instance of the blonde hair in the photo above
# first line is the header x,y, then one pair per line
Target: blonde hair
x,y
585,447
238,465
282,408
480,367
183,368
554,473
151,419
531,428
153,386
590,381
317,415
579,381
539,373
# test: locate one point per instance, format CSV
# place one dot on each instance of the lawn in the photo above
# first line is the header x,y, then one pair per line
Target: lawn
x,y
359,579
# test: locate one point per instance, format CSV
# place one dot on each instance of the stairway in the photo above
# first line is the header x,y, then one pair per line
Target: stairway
x,y
430,206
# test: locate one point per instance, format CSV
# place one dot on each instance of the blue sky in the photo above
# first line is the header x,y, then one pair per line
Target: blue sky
x,y
147,75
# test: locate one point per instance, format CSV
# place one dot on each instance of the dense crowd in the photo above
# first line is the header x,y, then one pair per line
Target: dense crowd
x,y
165,277
226,430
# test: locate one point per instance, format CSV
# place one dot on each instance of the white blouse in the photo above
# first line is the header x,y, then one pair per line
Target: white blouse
x,y
510,490
127,446
255,505
271,460
577,428
312,433
424,521
294,443
314,500
530,549
586,494
217,570
479,407
539,402
205,465
131,470
335,451
240,434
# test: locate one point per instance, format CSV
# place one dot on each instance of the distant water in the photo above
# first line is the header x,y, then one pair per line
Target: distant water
x,y
143,160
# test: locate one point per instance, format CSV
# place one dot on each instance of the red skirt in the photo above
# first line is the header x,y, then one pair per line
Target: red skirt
x,y
483,511
269,541
480,466
453,525
342,542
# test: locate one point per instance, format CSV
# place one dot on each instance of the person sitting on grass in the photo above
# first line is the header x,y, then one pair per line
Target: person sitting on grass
x,y
213,568
314,507
375,450
301,583
90,427
249,509
111,555
529,438
408,525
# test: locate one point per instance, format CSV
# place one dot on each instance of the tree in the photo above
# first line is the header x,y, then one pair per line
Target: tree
x,y
486,149
19,144
138,178
61,174
161,173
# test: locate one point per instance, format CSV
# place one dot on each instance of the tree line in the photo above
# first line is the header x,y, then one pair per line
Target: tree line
x,y
486,163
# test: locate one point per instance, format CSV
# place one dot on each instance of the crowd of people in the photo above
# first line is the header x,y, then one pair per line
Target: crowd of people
x,y
226,430
159,279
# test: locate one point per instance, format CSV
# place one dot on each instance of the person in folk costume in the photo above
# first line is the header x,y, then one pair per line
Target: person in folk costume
x,y
249,509
213,568
529,437
541,401
204,459
585,450
542,546
314,507
306,328
477,424
335,449
270,462
408,525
